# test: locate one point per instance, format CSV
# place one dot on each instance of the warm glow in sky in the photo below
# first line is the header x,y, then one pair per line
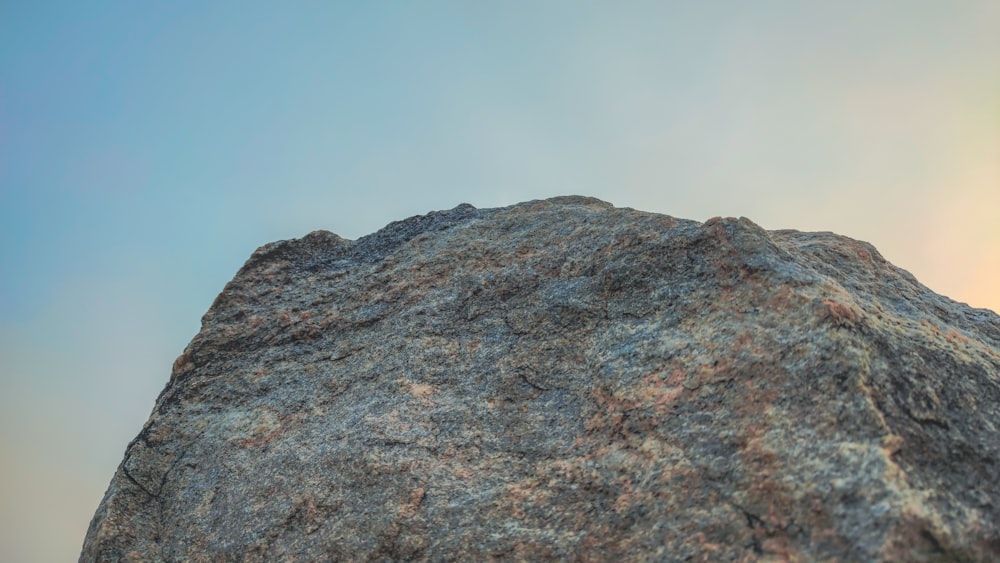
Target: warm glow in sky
x,y
146,149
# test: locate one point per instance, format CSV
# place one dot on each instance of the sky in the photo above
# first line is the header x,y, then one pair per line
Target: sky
x,y
147,148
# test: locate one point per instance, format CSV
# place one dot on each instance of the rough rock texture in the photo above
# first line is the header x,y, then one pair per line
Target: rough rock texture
x,y
563,379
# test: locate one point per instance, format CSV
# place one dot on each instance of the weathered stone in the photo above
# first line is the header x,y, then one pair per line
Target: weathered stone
x,y
563,379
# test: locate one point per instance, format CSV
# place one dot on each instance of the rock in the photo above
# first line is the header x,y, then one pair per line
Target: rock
x,y
564,379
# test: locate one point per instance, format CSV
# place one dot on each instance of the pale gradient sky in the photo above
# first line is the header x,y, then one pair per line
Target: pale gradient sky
x,y
147,148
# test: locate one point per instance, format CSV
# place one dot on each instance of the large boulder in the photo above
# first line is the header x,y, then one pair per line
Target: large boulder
x,y
563,379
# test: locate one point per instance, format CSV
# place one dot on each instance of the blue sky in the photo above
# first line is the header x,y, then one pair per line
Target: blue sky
x,y
147,148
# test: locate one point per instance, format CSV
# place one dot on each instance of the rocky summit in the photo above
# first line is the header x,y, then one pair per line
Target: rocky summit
x,y
567,380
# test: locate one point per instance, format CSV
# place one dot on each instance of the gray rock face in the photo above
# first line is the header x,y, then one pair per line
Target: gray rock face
x,y
563,379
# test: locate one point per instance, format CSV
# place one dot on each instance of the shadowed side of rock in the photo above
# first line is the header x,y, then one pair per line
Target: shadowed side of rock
x,y
563,379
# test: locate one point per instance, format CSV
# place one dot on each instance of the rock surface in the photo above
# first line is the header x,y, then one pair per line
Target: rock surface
x,y
563,379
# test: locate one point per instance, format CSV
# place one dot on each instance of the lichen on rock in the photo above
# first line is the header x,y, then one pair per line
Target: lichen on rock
x,y
563,379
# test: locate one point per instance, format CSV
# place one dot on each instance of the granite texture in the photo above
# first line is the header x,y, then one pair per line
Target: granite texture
x,y
563,379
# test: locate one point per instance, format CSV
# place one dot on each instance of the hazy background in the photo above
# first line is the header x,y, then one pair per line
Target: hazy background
x,y
147,148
